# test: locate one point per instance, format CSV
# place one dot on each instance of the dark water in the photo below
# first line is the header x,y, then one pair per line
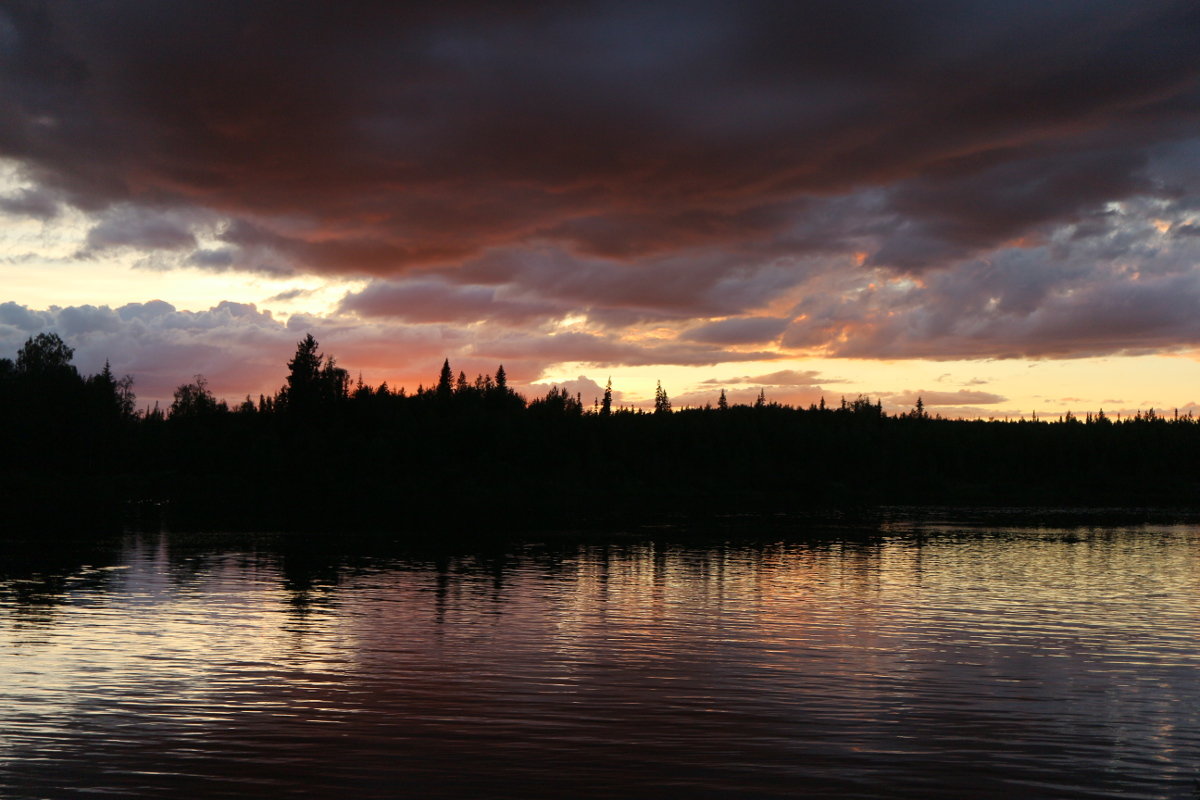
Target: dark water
x,y
925,663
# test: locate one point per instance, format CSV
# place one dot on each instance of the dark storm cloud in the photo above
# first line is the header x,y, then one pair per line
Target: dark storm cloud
x,y
629,161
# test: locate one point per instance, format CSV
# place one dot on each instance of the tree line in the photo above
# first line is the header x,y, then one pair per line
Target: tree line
x,y
473,455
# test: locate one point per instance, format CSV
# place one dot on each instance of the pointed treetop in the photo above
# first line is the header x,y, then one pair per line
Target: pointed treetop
x,y
445,380
606,405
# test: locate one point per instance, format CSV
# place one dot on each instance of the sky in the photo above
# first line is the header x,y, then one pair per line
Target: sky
x,y
992,206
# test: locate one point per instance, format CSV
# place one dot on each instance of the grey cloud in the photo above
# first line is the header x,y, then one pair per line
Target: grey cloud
x,y
234,344
22,318
943,218
216,260
707,283
79,320
36,202
1120,315
132,227
289,294
152,309
740,330
437,301
242,349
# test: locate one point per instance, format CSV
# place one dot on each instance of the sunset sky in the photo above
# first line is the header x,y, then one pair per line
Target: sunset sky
x,y
995,206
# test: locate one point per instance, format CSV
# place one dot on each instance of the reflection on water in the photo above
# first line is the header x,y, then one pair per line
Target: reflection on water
x,y
907,663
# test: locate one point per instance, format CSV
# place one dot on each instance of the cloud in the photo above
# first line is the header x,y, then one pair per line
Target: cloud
x,y
622,130
36,202
586,388
941,218
235,344
242,349
432,300
960,398
23,319
1122,289
129,226
218,260
588,348
740,330
786,377
710,282
656,162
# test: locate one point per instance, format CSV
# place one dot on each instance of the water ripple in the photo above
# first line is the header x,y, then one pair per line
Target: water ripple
x,y
930,664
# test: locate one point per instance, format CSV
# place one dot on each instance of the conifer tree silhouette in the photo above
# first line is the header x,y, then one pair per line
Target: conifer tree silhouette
x,y
662,403
445,382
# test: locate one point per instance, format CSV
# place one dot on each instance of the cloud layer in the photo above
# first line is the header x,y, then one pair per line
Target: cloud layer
x,y
674,183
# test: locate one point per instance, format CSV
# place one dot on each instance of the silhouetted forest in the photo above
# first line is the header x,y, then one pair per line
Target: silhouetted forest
x,y
471,455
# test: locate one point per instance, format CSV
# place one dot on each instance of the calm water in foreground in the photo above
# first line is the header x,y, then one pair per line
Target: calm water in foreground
x,y
905,661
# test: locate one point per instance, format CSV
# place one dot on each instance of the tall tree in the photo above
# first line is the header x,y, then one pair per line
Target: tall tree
x,y
662,403
333,382
722,402
606,403
445,384
304,376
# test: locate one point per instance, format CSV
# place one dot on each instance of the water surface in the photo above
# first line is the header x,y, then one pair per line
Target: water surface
x,y
903,661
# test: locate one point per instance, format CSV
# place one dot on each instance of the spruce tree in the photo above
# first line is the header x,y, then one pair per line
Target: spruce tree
x,y
445,381
662,403
304,376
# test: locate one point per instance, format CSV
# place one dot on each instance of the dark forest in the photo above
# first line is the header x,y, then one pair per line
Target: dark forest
x,y
472,456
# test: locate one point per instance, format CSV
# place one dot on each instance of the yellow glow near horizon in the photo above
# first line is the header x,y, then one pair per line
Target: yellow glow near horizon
x,y
39,269
1050,387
